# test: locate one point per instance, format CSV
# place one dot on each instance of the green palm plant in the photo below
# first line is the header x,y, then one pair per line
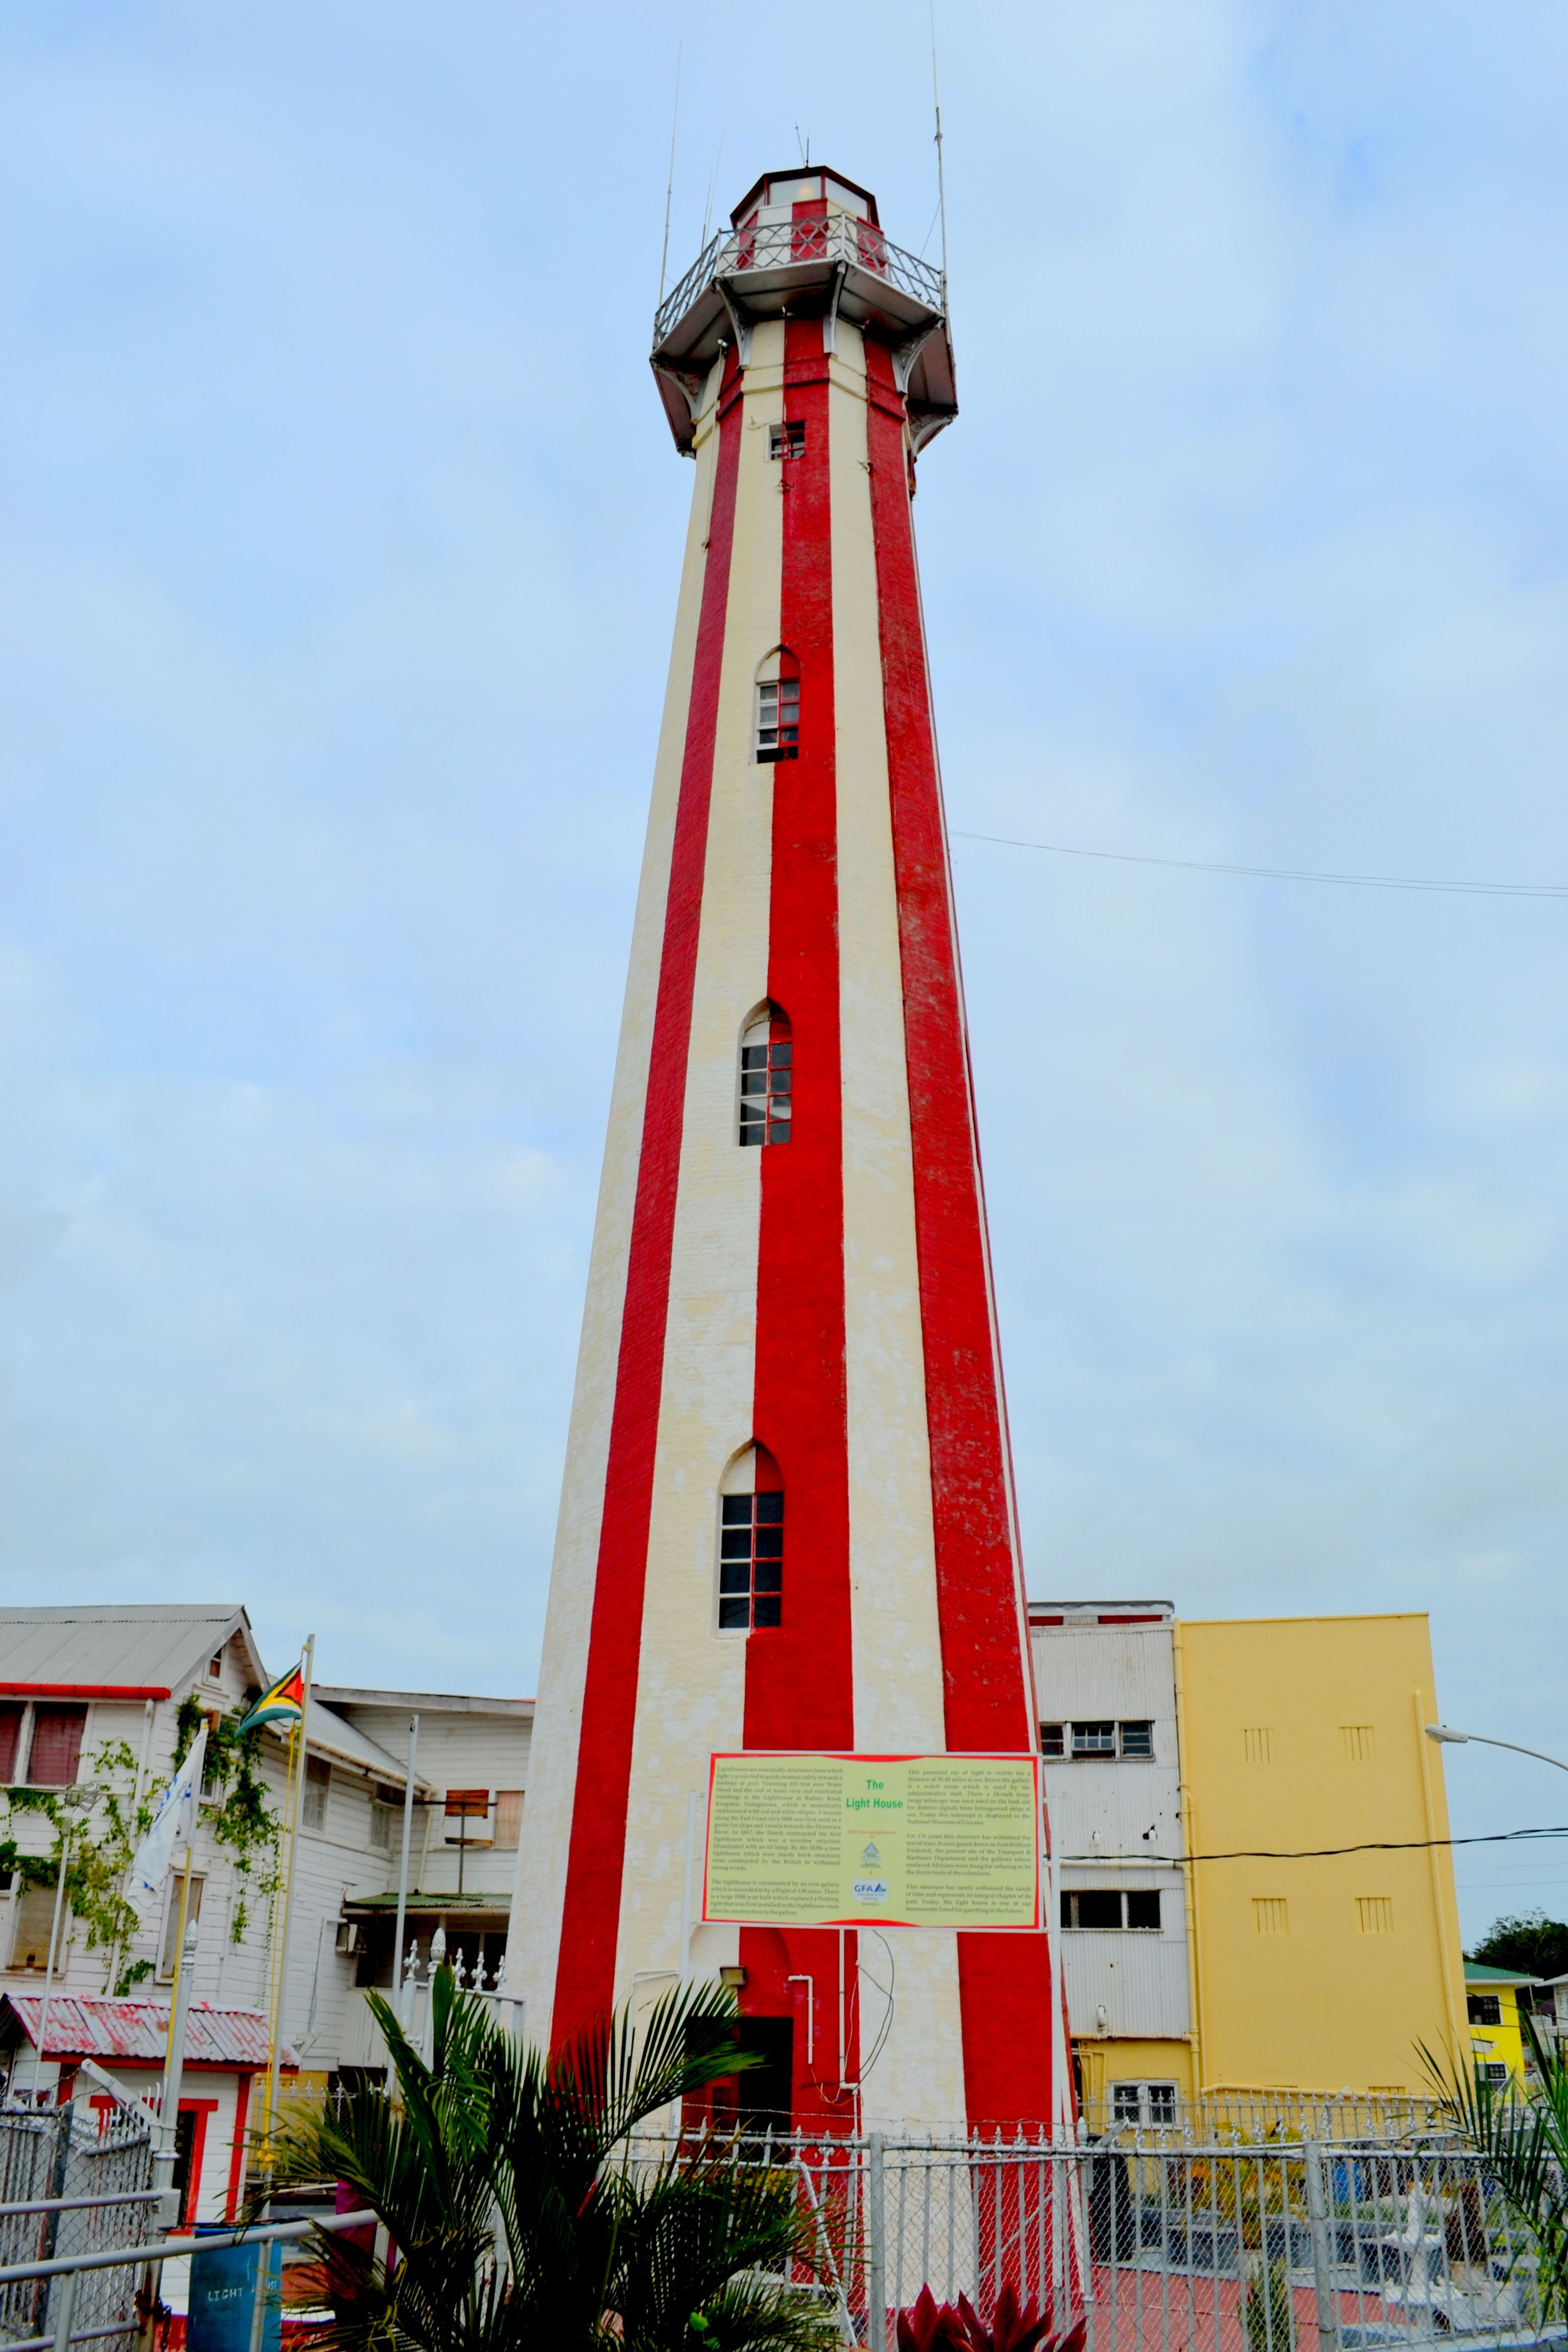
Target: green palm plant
x,y
1522,2141
521,2218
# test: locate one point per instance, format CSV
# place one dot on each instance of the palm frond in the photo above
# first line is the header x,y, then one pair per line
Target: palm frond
x,y
524,2212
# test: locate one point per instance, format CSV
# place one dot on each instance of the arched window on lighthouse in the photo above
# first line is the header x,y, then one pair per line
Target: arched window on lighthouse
x,y
751,1543
778,706
765,1077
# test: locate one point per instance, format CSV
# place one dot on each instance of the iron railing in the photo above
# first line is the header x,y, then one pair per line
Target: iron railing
x,y
840,238
1262,2114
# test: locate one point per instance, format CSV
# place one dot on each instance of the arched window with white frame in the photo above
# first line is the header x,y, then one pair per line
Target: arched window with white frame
x,y
767,1078
751,1543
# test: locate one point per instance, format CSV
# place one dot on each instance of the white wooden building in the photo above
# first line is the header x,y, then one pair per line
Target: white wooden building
x,y
81,1685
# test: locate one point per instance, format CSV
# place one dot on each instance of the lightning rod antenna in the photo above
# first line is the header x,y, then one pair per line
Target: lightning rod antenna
x,y
941,179
670,183
708,208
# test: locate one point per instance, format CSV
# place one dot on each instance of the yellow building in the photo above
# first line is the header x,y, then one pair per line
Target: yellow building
x,y
1319,1974
1497,2038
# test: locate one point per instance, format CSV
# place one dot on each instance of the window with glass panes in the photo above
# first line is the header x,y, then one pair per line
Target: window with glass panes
x,y
766,1077
751,1561
778,718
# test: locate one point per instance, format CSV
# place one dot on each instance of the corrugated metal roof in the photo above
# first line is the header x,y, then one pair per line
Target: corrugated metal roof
x,y
330,1735
402,1702
117,1645
82,2027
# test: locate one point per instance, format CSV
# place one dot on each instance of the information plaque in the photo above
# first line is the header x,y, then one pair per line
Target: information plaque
x,y
836,1841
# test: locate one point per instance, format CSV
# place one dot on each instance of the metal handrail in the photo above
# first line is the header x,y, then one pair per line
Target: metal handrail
x,y
81,2204
178,2249
841,237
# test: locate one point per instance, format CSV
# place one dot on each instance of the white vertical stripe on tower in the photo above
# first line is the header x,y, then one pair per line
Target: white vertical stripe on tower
x,y
897,1637
691,1685
547,1816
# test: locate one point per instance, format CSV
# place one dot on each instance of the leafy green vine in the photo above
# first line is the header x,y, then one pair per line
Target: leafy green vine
x,y
234,1805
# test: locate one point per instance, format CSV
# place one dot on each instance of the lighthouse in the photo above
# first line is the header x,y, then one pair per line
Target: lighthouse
x,y
787,1523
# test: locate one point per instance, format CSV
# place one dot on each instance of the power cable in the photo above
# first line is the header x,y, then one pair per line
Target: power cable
x,y
1283,873
1320,1852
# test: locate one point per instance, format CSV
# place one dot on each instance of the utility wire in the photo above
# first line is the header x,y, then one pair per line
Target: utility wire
x,y
1283,873
1320,1852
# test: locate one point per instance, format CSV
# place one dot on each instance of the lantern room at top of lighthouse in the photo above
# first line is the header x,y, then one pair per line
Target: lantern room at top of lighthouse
x,y
803,244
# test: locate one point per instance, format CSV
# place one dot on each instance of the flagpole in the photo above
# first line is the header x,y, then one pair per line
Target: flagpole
x,y
275,2055
275,1935
174,2051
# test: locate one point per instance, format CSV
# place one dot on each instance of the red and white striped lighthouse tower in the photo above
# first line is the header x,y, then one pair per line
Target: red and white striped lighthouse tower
x,y
787,1520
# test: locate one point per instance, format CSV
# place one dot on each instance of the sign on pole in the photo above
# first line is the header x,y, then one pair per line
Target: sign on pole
x,y
840,1840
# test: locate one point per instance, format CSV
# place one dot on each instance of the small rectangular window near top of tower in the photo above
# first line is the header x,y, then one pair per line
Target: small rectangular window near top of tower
x,y
787,440
1137,1740
1270,1916
751,1561
1360,1743
1257,1744
1094,1739
778,718
1374,1914
1053,1741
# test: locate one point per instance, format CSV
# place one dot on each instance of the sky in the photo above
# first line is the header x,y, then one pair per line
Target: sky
x,y
340,541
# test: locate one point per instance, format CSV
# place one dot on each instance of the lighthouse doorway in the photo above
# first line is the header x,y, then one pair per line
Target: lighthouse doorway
x,y
765,2092
756,2098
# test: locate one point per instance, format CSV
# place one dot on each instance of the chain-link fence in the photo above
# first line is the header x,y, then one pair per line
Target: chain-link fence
x,y
71,2182
1227,2247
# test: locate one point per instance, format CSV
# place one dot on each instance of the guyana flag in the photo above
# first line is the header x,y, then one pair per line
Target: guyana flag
x,y
284,1703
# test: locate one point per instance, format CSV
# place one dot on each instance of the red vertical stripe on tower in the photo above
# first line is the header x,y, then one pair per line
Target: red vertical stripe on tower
x,y
985,1671
585,1965
799,1678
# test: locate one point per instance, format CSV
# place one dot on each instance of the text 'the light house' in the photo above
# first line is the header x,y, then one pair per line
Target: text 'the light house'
x,y
787,1520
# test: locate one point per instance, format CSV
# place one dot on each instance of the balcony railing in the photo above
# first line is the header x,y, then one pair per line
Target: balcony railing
x,y
840,238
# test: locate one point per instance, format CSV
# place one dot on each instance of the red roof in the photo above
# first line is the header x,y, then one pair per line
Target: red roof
x,y
81,2027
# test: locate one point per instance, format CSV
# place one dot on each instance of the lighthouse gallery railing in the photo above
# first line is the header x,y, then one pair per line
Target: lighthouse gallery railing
x,y
839,239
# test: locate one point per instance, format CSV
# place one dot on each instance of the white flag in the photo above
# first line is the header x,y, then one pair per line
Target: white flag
x,y
171,1826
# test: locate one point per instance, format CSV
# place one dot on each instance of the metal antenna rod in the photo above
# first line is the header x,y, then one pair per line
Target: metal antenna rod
x,y
941,180
670,183
707,208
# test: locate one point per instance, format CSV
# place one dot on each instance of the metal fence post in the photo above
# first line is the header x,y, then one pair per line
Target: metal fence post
x,y
875,2248
65,2299
1318,2227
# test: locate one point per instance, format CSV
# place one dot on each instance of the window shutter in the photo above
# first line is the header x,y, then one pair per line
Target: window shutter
x,y
57,1745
